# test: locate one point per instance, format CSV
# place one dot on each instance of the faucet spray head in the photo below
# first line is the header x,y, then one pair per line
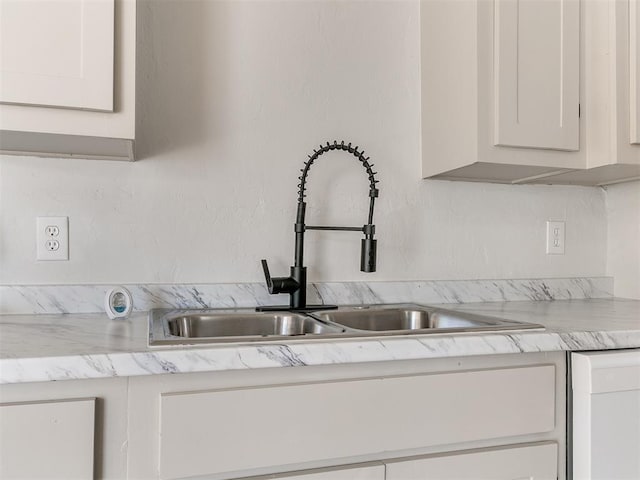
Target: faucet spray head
x,y
368,254
368,246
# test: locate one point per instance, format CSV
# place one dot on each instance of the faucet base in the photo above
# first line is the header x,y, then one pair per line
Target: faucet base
x,y
287,308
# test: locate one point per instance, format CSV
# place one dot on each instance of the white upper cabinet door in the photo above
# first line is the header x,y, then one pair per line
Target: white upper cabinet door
x,y
57,53
634,71
537,73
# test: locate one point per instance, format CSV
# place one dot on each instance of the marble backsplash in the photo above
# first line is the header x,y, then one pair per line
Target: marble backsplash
x,y
30,299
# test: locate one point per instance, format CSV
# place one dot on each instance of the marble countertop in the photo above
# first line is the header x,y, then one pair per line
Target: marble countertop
x,y
76,346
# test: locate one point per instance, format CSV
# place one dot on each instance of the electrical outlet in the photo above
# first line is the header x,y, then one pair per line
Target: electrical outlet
x,y
555,238
52,245
52,230
52,238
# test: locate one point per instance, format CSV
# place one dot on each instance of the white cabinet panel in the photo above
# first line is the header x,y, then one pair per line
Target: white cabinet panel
x,y
634,70
204,432
57,53
606,415
47,440
63,426
534,462
536,62
615,435
370,472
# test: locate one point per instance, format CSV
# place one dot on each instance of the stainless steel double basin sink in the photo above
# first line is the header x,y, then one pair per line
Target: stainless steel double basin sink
x,y
185,327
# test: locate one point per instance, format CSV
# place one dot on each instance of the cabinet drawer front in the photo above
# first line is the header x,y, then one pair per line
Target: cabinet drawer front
x,y
536,462
230,430
47,440
348,472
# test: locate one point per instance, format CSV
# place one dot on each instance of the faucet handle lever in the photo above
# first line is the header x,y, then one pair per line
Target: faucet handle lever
x,y
267,275
279,284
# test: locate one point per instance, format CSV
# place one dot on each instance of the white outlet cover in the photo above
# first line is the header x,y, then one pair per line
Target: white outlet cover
x,y
46,228
555,238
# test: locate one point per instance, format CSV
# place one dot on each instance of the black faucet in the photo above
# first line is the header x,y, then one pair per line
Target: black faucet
x,y
296,283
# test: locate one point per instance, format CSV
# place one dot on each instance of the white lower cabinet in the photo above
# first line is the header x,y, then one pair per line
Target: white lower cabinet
x,y
362,473
514,462
530,462
350,472
70,430
316,422
233,425
606,415
47,440
500,417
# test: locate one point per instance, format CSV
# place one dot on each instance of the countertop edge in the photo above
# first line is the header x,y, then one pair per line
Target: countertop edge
x,y
299,354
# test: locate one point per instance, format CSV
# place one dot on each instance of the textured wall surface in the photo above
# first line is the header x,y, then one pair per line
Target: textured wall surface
x,y
232,96
623,246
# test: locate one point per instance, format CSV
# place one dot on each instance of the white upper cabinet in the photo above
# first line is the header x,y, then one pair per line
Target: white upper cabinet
x,y
500,89
634,72
611,61
57,53
531,91
536,74
67,78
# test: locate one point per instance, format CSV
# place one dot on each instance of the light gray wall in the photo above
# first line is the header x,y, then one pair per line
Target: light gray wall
x,y
232,97
623,246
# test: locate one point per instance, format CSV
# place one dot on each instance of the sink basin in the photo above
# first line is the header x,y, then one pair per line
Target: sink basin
x,y
209,326
186,327
413,319
233,325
